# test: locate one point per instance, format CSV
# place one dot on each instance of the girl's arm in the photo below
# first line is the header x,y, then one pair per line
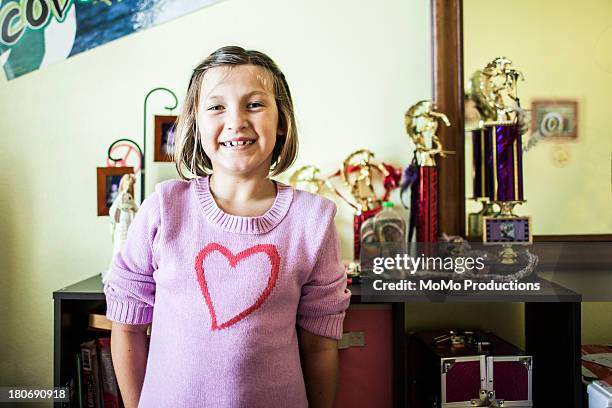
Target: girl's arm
x,y
129,350
130,297
319,357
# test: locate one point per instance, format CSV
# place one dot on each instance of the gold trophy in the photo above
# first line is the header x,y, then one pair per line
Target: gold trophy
x,y
498,165
359,173
421,122
307,178
494,90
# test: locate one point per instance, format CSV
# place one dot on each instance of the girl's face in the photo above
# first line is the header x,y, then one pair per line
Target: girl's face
x,y
238,119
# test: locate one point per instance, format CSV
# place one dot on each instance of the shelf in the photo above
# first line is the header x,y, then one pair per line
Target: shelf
x,y
90,288
552,334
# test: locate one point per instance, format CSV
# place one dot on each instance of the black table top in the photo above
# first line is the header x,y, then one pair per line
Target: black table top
x,y
92,289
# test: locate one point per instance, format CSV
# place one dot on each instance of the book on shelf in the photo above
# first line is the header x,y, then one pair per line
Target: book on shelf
x,y
78,383
72,402
92,396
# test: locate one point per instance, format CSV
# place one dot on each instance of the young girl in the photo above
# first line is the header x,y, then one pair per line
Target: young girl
x,y
226,265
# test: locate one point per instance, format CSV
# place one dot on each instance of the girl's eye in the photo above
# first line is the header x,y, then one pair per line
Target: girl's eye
x,y
255,105
215,108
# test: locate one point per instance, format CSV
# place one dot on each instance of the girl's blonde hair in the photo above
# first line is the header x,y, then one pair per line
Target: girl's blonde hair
x,y
189,154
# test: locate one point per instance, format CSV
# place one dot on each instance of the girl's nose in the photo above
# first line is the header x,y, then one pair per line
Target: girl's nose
x,y
236,120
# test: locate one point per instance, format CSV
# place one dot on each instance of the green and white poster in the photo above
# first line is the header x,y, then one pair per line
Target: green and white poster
x,y
37,33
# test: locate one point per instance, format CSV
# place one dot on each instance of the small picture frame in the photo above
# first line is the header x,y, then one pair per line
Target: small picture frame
x,y
507,230
555,119
165,129
108,186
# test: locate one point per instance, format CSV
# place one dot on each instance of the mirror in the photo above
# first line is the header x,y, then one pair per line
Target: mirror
x,y
567,150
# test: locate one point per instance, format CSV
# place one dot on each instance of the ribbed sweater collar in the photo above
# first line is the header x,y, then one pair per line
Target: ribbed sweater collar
x,y
244,225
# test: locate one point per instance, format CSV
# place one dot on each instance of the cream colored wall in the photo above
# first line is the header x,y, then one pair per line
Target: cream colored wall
x,y
354,67
596,323
563,49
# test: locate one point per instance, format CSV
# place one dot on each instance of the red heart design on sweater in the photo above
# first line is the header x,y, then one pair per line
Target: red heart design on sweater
x,y
273,256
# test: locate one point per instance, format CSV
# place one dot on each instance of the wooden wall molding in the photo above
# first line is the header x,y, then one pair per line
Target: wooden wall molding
x,y
573,238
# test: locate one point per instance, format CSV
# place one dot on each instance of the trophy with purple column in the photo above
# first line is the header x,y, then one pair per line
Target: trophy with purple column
x,y
498,155
481,148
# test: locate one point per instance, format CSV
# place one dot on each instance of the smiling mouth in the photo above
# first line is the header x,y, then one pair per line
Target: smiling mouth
x,y
237,143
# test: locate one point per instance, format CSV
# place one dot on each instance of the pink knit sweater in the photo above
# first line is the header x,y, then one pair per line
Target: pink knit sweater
x,y
225,293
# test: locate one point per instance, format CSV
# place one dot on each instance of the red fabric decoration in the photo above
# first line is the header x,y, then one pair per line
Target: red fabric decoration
x,y
268,249
391,180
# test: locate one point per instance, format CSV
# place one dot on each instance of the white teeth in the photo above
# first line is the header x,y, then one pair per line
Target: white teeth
x,y
237,143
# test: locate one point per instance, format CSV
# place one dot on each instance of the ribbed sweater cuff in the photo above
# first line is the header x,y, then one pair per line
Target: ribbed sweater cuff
x,y
128,313
326,326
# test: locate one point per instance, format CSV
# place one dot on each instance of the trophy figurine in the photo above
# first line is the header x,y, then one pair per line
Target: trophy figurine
x,y
421,122
307,178
498,158
360,173
362,190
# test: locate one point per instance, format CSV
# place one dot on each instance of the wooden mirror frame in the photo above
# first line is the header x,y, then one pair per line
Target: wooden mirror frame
x,y
447,69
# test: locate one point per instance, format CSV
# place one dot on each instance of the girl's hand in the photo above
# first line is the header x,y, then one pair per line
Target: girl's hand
x,y
319,357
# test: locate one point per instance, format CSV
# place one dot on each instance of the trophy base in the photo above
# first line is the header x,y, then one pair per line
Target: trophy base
x,y
507,230
507,256
506,208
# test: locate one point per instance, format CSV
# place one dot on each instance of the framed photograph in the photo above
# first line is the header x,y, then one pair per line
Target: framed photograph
x,y
165,127
507,230
555,119
108,186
